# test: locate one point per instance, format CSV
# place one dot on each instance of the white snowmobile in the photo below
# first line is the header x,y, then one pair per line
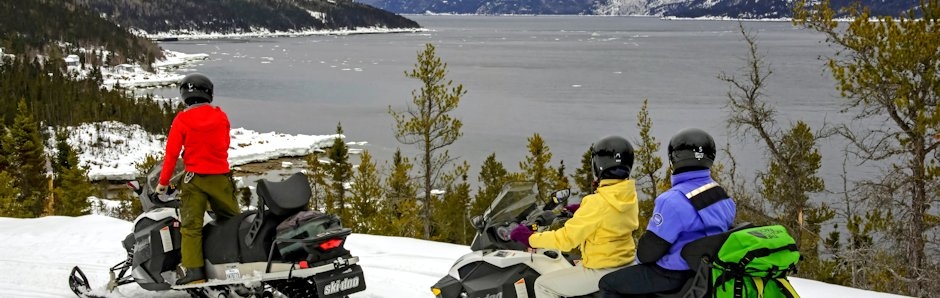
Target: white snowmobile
x,y
498,267
279,248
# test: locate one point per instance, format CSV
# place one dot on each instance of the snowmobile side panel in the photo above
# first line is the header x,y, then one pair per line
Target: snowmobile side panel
x,y
219,239
449,286
157,249
485,280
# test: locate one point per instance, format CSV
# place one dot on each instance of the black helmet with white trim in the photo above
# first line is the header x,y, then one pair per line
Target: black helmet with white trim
x,y
196,88
691,147
612,158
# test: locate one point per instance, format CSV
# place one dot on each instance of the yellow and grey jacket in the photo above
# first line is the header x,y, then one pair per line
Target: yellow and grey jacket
x,y
603,226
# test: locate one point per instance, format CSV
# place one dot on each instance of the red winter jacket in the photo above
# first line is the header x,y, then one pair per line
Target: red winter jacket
x,y
203,130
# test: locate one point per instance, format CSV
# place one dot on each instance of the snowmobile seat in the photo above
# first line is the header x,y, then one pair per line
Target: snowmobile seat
x,y
699,254
286,197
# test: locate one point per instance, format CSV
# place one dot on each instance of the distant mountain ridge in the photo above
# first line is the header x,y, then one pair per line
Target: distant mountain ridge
x,y
749,9
236,16
55,27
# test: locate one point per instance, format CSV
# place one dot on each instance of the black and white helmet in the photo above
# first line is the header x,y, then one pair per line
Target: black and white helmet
x,y
196,88
691,147
612,158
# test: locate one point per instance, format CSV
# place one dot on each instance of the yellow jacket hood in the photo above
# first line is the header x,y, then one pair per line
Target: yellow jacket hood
x,y
603,227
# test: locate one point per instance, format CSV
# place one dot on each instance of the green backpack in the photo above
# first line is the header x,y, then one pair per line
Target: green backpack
x,y
754,262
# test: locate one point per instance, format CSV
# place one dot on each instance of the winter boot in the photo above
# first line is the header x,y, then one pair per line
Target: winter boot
x,y
193,276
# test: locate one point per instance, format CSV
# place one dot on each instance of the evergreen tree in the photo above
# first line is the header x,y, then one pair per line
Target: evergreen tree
x,y
401,206
340,172
316,174
646,166
492,178
794,159
24,145
428,122
367,193
9,206
72,187
584,175
561,179
451,220
888,70
535,167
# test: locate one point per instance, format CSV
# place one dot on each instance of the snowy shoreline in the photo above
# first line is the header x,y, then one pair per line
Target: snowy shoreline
x,y
196,35
116,148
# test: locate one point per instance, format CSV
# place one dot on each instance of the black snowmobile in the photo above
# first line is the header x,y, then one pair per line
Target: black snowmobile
x,y
279,248
499,267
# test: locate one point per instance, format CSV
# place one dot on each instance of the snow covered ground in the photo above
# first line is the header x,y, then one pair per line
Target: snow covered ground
x,y
36,256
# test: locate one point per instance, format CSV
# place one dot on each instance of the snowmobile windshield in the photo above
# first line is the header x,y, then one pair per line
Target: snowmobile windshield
x,y
148,200
153,174
513,201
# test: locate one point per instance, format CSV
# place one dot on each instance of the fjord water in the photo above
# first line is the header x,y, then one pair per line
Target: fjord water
x,y
571,79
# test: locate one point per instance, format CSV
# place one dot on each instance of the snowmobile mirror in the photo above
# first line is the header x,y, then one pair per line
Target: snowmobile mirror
x,y
135,186
562,195
477,222
559,197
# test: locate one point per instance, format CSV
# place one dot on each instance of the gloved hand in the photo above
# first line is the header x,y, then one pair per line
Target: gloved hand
x,y
521,234
573,207
160,189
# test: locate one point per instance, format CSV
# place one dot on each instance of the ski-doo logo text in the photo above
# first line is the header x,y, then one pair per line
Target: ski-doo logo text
x,y
337,286
497,295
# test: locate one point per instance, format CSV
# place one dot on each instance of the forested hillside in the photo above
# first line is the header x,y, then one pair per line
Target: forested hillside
x,y
56,99
31,27
231,16
678,8
770,8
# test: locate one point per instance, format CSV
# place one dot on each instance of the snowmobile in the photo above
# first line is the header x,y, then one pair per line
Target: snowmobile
x,y
279,248
498,267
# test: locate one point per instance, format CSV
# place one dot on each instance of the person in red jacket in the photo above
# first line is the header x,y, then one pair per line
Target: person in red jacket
x,y
203,131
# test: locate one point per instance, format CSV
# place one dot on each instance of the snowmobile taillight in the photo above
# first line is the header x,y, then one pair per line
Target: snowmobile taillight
x,y
304,265
331,244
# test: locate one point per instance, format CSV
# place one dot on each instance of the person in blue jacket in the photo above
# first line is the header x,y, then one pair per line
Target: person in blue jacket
x,y
695,207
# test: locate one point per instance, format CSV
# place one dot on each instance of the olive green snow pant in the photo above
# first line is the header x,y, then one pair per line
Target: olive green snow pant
x,y
218,191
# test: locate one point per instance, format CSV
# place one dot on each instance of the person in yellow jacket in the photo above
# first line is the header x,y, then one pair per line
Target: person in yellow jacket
x,y
602,226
